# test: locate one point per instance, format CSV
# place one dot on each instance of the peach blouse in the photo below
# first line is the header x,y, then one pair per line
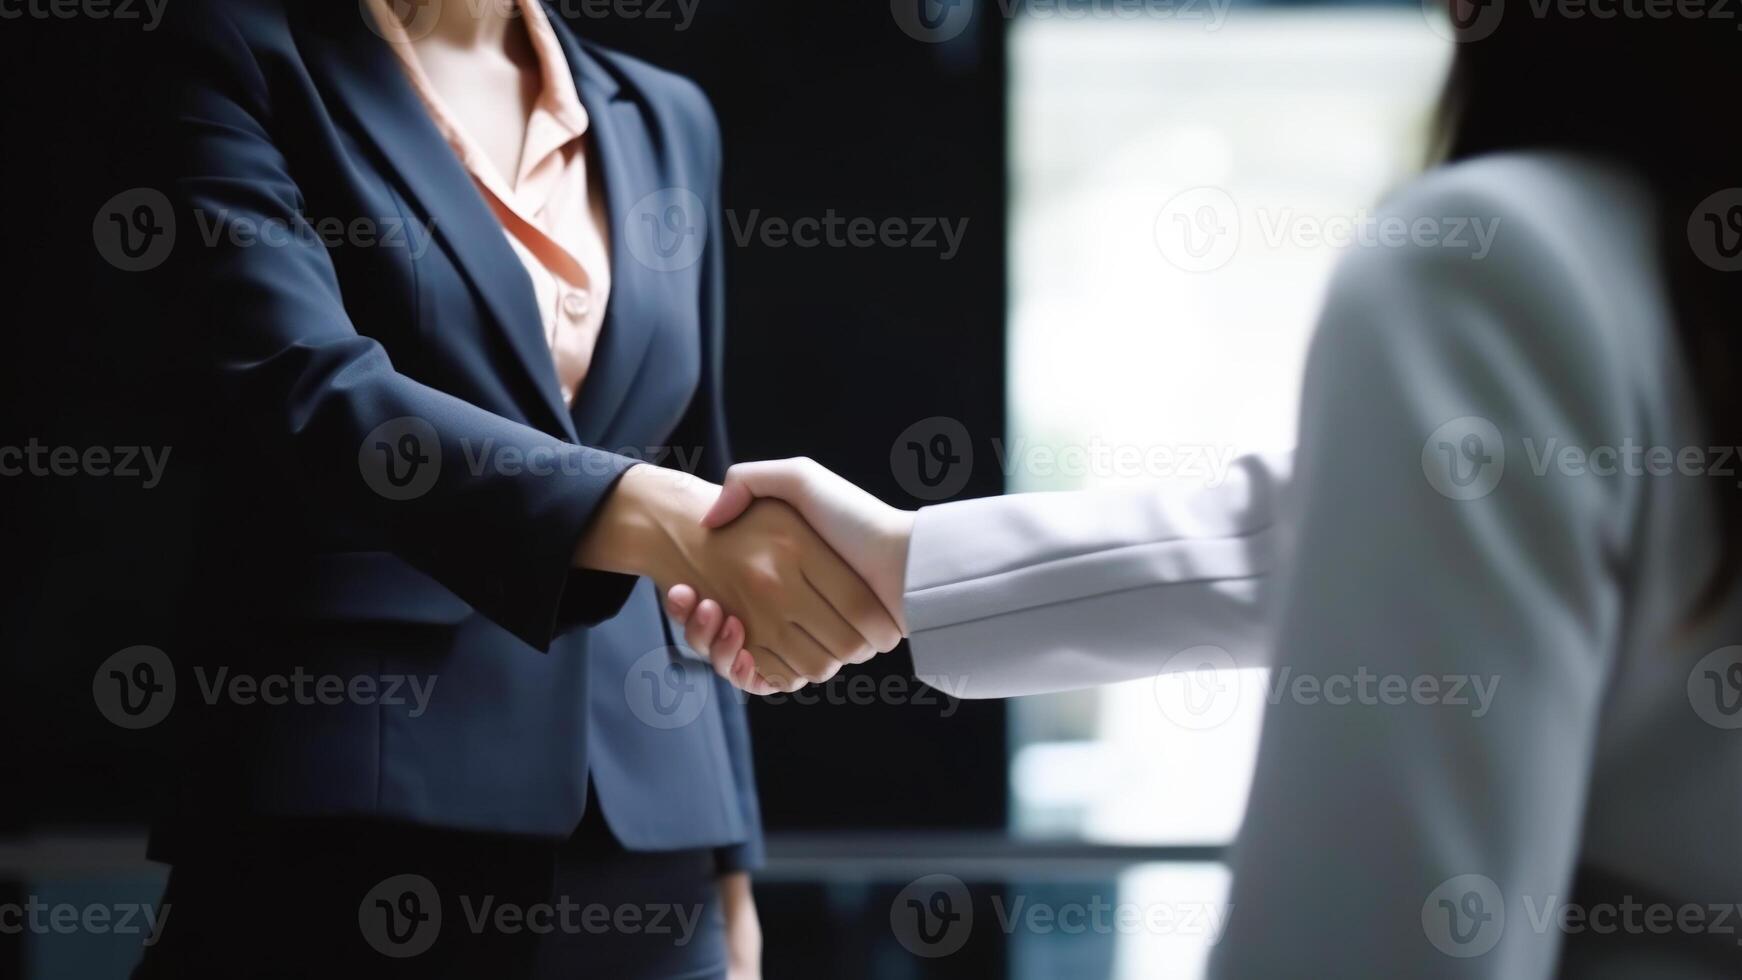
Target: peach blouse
x,y
554,220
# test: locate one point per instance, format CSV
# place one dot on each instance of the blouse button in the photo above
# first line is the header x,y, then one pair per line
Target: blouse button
x,y
577,303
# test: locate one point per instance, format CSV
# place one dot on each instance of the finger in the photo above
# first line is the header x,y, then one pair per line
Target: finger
x,y
805,651
773,667
704,626
747,481
855,602
745,676
830,629
726,646
680,603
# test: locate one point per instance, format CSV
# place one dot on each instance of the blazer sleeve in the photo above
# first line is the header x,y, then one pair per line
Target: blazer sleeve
x,y
272,325
1035,593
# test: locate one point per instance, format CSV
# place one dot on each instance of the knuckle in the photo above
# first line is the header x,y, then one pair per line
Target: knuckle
x,y
764,581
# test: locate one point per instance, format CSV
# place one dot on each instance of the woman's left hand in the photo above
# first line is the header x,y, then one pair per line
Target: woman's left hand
x,y
743,928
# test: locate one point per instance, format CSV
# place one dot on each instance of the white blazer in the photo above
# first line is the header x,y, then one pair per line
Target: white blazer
x,y
1480,495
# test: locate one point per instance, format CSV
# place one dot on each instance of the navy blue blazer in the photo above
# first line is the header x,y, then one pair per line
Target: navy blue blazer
x,y
399,485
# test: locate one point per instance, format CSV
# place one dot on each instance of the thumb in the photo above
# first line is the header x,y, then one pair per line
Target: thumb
x,y
744,483
735,498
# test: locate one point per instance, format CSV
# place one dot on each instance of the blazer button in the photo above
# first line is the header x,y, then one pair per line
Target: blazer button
x,y
577,303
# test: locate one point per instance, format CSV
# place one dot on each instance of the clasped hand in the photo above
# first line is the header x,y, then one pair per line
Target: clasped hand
x,y
825,588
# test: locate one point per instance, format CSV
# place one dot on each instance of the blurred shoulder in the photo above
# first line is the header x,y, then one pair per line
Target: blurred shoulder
x,y
1543,254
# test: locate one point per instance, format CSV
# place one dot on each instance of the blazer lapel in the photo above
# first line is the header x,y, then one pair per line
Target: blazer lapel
x,y
363,74
629,171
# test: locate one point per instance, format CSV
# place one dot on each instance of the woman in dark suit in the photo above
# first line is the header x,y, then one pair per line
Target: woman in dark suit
x,y
457,279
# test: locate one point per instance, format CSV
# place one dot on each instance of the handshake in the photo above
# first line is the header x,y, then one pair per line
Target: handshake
x,y
781,576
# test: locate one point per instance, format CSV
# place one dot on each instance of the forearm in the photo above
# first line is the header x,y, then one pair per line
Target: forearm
x,y
1033,593
636,530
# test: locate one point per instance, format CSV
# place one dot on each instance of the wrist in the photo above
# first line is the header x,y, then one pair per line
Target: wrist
x,y
638,529
896,536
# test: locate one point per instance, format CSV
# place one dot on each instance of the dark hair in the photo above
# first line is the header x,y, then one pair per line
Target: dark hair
x,y
1643,87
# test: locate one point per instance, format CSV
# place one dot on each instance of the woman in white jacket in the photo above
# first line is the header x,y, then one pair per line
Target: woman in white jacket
x,y
1510,477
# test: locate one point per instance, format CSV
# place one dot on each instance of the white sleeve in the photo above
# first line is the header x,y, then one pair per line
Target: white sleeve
x,y
1031,593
